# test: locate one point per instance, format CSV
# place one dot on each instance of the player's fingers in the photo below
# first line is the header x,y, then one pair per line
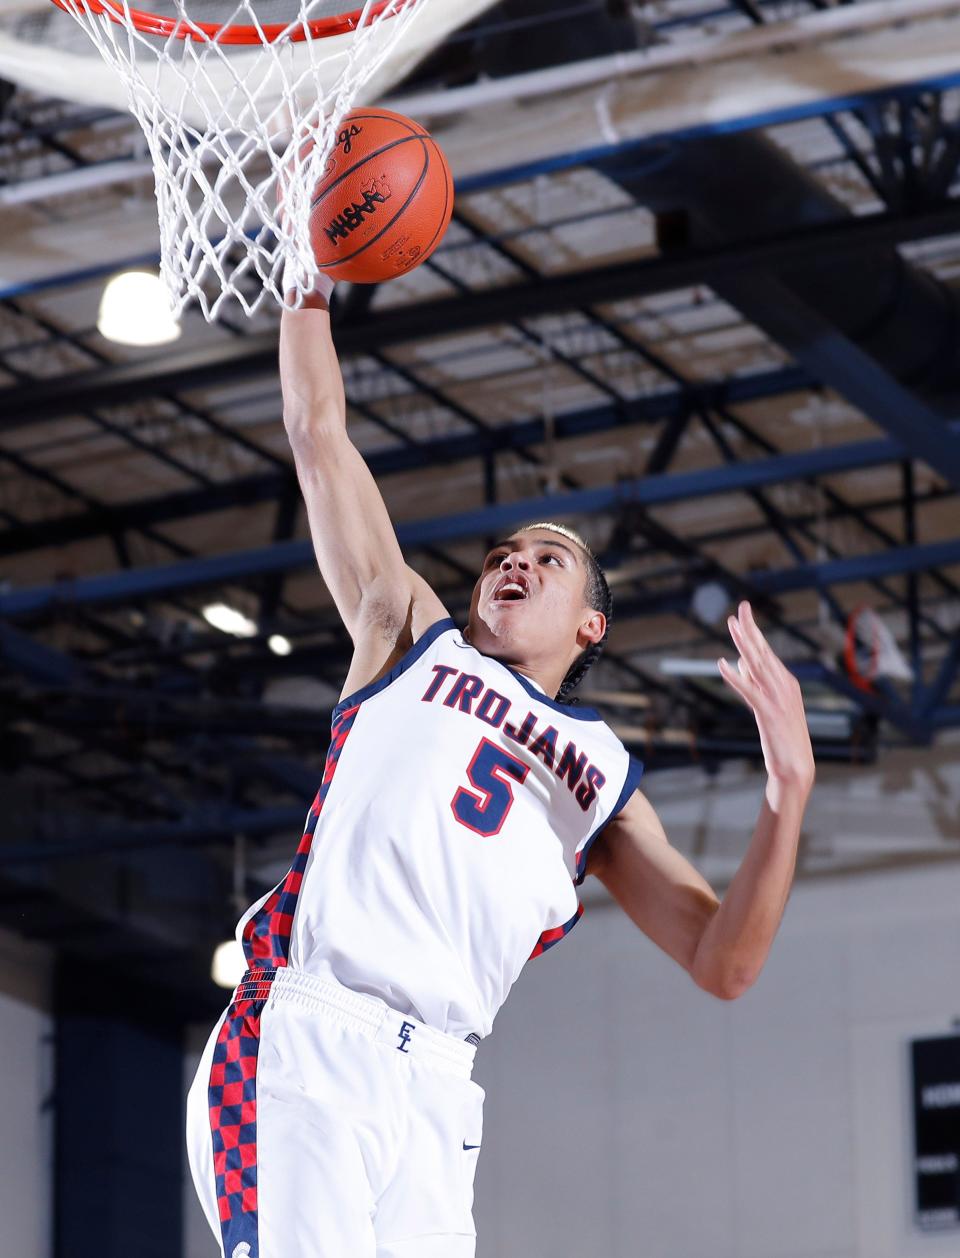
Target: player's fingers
x,y
751,630
748,649
769,665
750,627
738,681
755,635
753,679
751,643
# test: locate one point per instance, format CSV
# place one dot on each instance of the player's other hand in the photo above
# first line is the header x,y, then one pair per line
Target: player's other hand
x,y
772,693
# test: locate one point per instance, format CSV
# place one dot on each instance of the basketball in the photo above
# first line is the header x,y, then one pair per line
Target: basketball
x,y
385,200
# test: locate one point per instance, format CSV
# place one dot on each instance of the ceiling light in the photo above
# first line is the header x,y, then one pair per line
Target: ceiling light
x,y
710,602
229,961
229,964
672,666
823,724
135,310
229,620
279,645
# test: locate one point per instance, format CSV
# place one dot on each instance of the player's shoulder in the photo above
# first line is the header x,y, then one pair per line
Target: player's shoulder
x,y
377,665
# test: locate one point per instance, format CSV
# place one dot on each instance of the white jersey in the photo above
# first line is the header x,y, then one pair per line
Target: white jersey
x,y
451,830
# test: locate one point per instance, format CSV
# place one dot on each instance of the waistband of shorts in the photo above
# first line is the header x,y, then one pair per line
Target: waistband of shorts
x,y
368,1015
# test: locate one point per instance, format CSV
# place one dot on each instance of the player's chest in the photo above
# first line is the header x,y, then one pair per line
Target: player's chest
x,y
493,756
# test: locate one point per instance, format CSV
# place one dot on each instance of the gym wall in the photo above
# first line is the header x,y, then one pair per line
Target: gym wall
x,y
26,1115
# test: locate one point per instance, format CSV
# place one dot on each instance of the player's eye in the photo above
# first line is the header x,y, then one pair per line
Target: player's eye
x,y
551,555
496,557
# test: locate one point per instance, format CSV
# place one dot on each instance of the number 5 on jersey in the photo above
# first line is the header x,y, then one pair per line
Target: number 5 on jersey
x,y
492,772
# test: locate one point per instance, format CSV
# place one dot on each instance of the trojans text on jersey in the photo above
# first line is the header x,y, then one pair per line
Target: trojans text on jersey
x,y
465,692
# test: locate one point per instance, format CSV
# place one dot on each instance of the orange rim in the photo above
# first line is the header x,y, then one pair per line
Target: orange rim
x,y
850,653
177,28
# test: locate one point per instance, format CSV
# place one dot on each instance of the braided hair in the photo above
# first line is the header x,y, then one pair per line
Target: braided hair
x,y
597,596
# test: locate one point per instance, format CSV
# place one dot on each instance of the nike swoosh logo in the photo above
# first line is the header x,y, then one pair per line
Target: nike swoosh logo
x,y
471,1146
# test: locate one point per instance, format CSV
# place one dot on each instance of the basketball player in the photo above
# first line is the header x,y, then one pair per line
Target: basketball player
x,y
463,801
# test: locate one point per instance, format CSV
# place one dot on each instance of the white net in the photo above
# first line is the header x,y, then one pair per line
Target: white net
x,y
227,125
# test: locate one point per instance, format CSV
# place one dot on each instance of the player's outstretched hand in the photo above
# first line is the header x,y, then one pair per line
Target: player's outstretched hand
x,y
772,693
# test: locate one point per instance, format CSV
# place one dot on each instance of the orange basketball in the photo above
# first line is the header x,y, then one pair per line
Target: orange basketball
x,y
385,200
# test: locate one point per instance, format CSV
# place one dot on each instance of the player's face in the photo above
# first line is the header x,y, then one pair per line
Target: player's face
x,y
530,601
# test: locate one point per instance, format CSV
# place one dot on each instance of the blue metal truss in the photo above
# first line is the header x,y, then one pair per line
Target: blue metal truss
x,y
170,579
916,720
249,490
838,362
37,661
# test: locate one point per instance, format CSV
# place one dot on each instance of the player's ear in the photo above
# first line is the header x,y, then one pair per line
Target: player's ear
x,y
593,629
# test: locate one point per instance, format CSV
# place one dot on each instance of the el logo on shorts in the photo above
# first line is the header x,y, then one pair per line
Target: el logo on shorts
x,y
406,1030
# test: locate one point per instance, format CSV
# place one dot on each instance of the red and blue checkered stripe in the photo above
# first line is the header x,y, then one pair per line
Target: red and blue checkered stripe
x,y
266,936
232,1090
551,937
630,782
232,1098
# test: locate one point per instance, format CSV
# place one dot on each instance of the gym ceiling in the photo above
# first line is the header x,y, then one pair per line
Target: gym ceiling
x,y
727,353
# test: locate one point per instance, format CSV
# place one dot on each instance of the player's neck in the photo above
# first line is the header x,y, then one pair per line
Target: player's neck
x,y
543,678
537,666
531,677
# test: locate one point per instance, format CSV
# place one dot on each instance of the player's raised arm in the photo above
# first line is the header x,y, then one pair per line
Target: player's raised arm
x,y
384,605
723,945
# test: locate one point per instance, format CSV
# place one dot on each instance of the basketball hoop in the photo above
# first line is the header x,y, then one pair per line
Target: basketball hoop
x,y
181,27
234,96
870,651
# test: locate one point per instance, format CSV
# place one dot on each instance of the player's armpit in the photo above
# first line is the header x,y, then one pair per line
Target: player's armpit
x,y
383,643
653,883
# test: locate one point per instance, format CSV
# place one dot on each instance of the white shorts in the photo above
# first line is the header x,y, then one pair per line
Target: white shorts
x,y
323,1124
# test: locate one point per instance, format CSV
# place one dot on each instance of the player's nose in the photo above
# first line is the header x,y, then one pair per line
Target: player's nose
x,y
515,559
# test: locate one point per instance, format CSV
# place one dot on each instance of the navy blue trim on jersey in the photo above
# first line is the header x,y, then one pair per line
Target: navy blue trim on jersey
x,y
443,626
632,781
406,661
568,709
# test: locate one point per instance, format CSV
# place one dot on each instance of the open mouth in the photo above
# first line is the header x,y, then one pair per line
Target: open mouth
x,y
512,590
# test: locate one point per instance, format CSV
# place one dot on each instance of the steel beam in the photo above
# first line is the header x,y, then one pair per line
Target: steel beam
x,y
875,327
169,579
41,663
250,490
255,356
89,836
931,698
856,375
886,563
